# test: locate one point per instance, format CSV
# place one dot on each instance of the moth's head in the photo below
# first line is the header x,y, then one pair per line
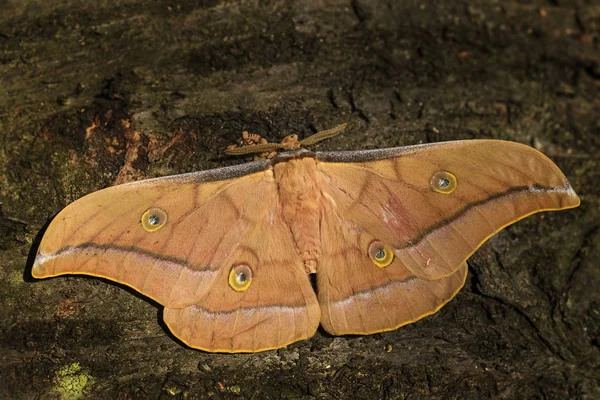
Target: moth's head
x,y
254,144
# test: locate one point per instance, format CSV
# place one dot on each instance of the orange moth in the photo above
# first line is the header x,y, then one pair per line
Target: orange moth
x,y
228,252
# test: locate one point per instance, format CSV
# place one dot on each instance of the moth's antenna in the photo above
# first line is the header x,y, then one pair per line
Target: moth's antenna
x,y
317,137
255,148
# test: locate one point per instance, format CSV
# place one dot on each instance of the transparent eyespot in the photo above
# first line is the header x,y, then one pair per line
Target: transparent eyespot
x,y
240,277
443,182
380,254
153,219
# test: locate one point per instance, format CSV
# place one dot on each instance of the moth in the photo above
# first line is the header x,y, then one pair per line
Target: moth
x,y
228,252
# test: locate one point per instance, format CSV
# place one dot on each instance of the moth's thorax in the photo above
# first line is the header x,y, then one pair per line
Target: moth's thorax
x,y
299,199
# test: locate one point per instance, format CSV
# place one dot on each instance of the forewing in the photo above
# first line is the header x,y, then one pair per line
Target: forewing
x,y
389,192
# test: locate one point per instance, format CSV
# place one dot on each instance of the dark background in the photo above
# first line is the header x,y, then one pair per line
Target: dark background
x,y
95,93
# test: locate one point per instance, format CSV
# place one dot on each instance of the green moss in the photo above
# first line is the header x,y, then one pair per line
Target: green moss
x,y
72,382
15,278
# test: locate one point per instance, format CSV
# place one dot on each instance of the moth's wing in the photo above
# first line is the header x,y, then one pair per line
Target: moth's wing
x,y
278,308
215,219
357,297
387,195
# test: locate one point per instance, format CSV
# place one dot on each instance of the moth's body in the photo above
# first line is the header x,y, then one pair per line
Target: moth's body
x,y
299,188
227,251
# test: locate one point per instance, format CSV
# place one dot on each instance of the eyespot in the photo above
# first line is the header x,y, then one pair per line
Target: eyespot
x,y
443,182
380,254
153,219
240,277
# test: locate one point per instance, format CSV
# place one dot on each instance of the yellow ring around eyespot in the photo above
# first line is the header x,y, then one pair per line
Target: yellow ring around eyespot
x,y
153,214
237,285
388,255
446,177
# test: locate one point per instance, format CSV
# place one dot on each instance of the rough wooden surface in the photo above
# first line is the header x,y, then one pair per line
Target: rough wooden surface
x,y
101,92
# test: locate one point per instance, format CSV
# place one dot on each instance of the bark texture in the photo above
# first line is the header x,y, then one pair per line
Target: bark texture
x,y
102,92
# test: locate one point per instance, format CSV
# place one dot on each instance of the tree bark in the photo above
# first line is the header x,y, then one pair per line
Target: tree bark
x,y
103,92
